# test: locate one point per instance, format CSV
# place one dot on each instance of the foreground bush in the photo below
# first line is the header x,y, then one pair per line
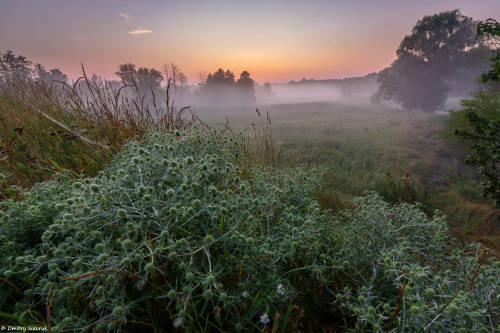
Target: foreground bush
x,y
180,232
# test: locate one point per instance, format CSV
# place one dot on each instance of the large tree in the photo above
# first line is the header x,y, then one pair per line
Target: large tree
x,y
426,58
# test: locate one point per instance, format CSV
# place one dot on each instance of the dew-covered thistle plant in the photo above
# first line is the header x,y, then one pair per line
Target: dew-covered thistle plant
x,y
179,232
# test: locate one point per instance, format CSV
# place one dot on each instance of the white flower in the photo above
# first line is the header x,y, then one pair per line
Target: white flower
x,y
178,322
244,294
280,290
264,319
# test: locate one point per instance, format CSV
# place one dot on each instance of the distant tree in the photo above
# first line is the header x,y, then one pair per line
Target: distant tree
x,y
267,88
127,73
246,88
479,119
145,79
12,66
202,78
178,79
245,81
54,74
149,78
95,79
220,79
220,87
264,92
181,81
425,58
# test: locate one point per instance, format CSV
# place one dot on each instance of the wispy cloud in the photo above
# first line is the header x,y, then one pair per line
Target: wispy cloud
x,y
125,16
140,32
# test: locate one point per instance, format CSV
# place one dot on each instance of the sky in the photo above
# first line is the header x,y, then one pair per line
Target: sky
x,y
275,40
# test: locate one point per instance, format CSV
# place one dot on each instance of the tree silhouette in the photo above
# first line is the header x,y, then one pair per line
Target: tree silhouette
x,y
425,58
220,87
54,74
178,79
220,79
12,66
246,87
144,79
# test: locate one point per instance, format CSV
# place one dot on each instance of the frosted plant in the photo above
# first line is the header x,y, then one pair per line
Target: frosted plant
x,y
185,228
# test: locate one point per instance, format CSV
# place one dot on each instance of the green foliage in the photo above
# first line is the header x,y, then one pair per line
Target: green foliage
x,y
180,231
479,120
412,279
485,103
490,29
347,141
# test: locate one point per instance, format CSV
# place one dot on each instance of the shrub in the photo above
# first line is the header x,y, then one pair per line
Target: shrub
x,y
180,231
478,122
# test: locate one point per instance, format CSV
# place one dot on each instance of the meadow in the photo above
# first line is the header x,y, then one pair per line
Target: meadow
x,y
299,217
404,156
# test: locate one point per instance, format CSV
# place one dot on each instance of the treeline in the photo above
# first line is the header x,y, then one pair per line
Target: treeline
x,y
18,67
219,87
223,83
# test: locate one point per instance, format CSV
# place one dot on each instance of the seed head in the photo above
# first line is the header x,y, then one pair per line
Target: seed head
x,y
121,212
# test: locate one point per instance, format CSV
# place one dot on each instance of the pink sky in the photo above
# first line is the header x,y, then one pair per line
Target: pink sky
x,y
274,40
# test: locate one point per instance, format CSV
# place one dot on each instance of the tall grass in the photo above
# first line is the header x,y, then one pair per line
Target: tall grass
x,y
259,145
46,128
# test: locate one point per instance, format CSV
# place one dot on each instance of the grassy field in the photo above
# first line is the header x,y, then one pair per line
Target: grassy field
x,y
82,252
403,156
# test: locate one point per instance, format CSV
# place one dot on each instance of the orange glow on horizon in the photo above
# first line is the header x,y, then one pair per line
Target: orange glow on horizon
x,y
275,41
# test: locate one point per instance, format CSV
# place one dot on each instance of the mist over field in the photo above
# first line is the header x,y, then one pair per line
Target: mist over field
x,y
236,166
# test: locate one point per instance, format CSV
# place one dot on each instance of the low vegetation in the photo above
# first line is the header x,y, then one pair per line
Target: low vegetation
x,y
180,231
403,156
46,128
